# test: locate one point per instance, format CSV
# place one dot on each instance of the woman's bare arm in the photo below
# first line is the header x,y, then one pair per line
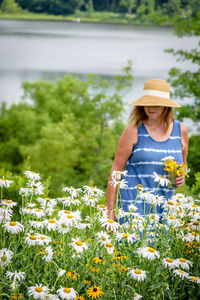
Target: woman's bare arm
x,y
124,149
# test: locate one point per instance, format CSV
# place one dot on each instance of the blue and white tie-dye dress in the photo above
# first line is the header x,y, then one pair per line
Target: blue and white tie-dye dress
x,y
144,160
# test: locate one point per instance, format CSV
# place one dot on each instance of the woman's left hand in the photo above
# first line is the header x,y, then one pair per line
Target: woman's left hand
x,y
180,180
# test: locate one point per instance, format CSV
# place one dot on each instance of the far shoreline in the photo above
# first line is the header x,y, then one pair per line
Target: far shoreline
x,y
77,19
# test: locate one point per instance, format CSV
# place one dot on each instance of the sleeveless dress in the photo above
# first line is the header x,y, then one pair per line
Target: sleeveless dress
x,y
144,160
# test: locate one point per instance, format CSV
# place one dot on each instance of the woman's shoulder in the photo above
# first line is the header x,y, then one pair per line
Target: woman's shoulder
x,y
130,134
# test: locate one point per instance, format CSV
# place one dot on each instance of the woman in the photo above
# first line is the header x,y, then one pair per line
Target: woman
x,y
151,135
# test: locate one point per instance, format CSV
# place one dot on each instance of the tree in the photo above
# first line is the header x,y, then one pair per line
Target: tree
x,y
10,7
128,4
69,132
186,83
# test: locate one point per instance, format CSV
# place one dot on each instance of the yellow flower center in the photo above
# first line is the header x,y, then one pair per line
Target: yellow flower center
x,y
38,289
3,179
169,260
71,199
170,203
110,221
67,290
79,243
196,223
125,235
12,223
180,271
91,197
109,245
70,217
172,218
38,210
194,278
151,250
102,206
137,271
138,218
37,221
194,205
8,201
182,260
42,238
67,211
52,221
32,237
195,233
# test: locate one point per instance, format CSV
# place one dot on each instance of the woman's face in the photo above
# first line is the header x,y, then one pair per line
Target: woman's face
x,y
154,112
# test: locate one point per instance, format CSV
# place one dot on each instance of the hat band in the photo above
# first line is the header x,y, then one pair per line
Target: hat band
x,y
156,93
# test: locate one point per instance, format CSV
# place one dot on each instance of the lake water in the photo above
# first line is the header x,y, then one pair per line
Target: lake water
x,y
31,50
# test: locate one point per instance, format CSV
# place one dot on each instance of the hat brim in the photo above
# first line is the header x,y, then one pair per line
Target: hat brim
x,y
154,101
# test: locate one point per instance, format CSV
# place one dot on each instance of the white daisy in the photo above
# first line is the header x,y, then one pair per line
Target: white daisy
x,y
38,291
5,214
137,296
148,252
5,256
51,224
109,224
173,221
32,175
43,239
161,180
78,245
61,272
122,183
137,274
14,227
24,192
103,237
82,226
194,279
170,263
31,239
132,208
9,203
36,224
90,200
93,191
36,188
118,174
5,183
67,293
47,254
46,202
73,191
69,200
182,274
37,212
16,275
130,238
62,227
184,263
109,248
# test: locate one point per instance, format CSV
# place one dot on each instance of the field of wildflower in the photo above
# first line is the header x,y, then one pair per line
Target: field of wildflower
x,y
67,248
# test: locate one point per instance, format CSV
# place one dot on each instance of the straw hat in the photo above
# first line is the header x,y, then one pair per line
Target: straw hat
x,y
156,92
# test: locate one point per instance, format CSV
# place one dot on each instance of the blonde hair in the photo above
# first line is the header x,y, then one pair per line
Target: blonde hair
x,y
138,115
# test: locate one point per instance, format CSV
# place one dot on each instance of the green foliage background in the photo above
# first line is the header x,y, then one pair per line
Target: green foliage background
x,y
69,132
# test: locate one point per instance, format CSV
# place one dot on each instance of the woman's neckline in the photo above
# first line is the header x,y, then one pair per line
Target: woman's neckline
x,y
158,140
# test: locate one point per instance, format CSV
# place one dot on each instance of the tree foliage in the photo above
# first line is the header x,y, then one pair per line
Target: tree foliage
x,y
69,132
186,83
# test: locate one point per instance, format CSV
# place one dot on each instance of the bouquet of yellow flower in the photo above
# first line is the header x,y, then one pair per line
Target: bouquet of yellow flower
x,y
174,169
